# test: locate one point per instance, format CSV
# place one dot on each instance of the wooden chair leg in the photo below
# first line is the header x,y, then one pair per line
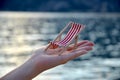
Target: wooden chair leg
x,y
76,40
64,48
47,46
58,38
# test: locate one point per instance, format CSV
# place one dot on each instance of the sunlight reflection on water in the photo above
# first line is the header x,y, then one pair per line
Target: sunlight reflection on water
x,y
23,32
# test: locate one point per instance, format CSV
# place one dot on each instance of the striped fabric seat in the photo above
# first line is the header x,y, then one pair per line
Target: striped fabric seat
x,y
74,30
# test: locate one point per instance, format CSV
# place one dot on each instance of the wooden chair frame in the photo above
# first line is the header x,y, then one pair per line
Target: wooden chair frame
x,y
58,38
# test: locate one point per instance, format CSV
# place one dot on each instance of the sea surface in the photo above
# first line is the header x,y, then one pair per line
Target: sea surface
x,y
22,32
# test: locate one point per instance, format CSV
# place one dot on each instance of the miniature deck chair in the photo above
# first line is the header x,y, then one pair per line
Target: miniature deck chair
x,y
68,39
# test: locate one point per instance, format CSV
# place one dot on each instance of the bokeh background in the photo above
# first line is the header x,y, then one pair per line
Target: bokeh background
x,y
28,24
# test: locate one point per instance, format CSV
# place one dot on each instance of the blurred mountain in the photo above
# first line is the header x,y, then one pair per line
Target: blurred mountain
x,y
61,5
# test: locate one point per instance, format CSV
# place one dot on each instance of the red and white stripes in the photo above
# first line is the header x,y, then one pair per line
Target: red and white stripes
x,y
74,30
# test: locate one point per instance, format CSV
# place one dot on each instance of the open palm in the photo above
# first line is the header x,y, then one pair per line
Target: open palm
x,y
51,58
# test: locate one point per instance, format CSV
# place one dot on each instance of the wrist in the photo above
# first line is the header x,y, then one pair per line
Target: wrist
x,y
26,71
29,69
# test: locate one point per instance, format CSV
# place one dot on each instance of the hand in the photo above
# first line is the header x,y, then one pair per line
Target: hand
x,y
48,59
42,60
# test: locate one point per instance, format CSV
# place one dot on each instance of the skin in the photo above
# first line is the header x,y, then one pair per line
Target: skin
x,y
43,60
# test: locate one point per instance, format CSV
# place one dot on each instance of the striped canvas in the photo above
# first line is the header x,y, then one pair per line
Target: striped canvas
x,y
74,30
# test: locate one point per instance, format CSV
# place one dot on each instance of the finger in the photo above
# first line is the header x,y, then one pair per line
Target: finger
x,y
76,54
87,44
82,42
87,48
79,44
68,57
84,48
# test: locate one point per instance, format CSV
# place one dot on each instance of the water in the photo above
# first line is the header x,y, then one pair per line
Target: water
x,y
20,33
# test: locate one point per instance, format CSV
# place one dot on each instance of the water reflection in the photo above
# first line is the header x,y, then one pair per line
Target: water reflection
x,y
21,33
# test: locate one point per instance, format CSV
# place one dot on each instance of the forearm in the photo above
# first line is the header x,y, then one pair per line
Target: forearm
x,y
26,71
